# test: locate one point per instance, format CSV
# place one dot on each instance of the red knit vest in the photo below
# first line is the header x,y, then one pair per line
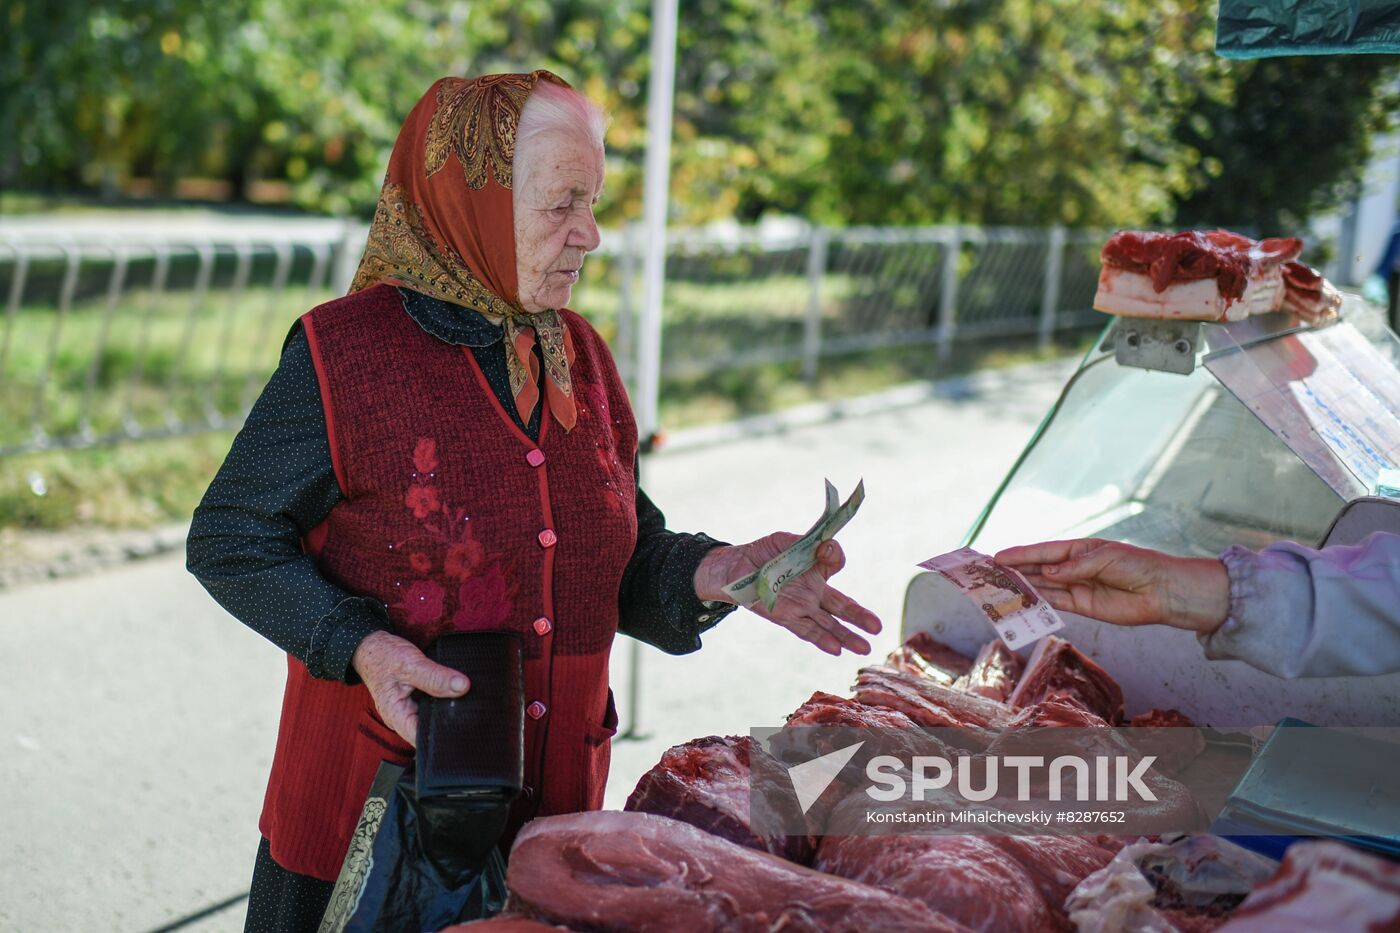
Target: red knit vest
x,y
455,520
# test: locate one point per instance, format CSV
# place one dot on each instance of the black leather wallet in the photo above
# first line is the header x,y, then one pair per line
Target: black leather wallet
x,y
473,747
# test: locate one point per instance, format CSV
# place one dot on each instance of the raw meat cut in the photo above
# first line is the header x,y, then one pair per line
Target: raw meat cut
x,y
931,704
642,873
968,878
1047,867
706,783
826,709
1308,295
1057,665
1058,710
1056,863
1323,885
924,655
994,672
1192,275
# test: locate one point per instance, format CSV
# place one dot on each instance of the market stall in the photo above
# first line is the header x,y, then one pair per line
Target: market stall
x,y
1263,429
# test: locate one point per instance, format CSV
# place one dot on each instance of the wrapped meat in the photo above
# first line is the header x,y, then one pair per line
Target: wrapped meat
x,y
1179,884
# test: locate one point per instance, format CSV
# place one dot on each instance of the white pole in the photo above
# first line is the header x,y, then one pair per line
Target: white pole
x,y
656,197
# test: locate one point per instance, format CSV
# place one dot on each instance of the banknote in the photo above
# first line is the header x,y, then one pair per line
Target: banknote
x,y
1016,612
767,582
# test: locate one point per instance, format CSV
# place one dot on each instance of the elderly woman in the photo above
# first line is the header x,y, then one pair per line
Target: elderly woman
x,y
447,448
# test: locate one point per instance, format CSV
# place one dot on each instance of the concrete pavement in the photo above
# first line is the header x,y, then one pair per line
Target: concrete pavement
x,y
137,719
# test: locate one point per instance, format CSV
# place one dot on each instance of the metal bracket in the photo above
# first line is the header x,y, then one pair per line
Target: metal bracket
x,y
1147,343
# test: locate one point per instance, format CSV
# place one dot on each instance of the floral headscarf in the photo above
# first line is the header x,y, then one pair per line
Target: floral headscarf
x,y
444,225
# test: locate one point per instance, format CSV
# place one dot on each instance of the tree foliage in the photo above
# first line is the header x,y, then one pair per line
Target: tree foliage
x,y
1107,112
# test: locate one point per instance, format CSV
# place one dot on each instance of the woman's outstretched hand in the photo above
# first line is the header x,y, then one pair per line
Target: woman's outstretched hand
x,y
392,668
807,606
1125,585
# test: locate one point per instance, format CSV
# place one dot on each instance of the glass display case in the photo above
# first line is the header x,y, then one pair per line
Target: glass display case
x,y
1272,430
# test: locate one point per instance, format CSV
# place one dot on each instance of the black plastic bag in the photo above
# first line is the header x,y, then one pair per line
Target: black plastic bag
x,y
412,867
1265,28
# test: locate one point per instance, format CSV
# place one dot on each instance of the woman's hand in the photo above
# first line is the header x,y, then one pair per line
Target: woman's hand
x,y
1125,585
807,606
392,668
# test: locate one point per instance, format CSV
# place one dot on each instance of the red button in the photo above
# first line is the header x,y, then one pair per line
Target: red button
x,y
535,457
535,710
543,626
548,538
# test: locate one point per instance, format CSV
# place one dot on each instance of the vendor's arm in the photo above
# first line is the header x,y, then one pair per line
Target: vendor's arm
x,y
1300,612
245,538
1290,610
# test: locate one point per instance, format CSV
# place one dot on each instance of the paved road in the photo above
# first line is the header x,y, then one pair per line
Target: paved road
x,y
137,720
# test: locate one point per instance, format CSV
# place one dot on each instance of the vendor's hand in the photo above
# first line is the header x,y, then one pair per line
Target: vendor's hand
x,y
392,668
807,606
1125,585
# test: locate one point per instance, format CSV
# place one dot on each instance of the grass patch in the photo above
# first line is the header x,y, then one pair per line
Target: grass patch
x,y
138,485
155,482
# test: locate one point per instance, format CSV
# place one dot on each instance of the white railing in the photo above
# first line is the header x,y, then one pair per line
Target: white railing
x,y
114,331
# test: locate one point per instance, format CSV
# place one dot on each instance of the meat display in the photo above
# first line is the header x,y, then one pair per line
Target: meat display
x,y
994,672
644,873
1323,886
691,859
1057,666
1308,296
705,782
1193,275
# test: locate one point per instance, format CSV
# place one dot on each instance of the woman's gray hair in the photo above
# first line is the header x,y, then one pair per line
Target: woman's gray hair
x,y
552,109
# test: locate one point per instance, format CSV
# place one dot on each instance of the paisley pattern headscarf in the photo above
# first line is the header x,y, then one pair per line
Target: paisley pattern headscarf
x,y
444,225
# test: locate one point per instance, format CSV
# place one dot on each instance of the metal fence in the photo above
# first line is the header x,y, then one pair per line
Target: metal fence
x,y
111,335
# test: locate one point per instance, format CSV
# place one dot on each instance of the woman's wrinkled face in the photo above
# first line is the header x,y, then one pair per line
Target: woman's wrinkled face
x,y
554,226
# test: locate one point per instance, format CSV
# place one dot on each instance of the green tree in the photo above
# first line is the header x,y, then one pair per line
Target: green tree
x,y
1084,112
1292,138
